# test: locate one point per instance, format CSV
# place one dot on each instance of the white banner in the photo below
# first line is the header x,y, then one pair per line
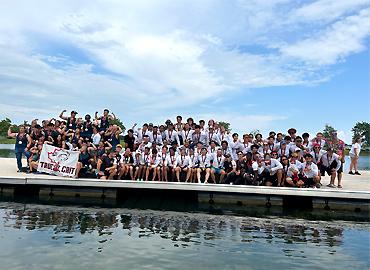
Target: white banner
x,y
58,161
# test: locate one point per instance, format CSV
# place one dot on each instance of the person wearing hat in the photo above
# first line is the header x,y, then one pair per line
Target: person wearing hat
x,y
71,121
330,164
292,133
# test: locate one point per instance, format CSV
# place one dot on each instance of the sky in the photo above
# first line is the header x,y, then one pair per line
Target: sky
x,y
267,65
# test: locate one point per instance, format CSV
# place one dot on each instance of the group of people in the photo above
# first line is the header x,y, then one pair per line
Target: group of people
x,y
184,151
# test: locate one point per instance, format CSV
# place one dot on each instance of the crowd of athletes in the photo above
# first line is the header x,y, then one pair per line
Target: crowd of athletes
x,y
184,151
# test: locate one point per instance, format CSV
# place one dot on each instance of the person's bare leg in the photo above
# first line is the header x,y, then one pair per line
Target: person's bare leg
x,y
207,175
332,177
112,174
351,165
147,173
132,173
158,169
339,176
188,171
279,178
154,173
78,168
177,170
222,176
198,174
355,164
212,174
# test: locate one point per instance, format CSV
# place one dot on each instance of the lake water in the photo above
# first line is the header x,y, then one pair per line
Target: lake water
x,y
7,151
34,236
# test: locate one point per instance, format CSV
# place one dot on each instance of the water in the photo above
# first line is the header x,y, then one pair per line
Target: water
x,y
34,236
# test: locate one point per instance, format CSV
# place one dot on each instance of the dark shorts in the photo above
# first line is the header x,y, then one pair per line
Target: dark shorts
x,y
309,182
340,170
217,170
325,169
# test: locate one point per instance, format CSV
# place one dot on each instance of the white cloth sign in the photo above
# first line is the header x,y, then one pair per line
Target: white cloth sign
x,y
58,161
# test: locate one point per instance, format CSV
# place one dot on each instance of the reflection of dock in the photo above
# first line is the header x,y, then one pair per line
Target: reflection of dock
x,y
355,197
130,191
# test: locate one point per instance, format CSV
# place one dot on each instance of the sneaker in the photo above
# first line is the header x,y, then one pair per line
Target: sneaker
x,y
350,172
318,185
331,185
340,186
357,173
19,171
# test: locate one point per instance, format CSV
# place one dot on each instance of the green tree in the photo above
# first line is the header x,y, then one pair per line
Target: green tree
x,y
225,125
327,131
362,130
255,132
4,126
119,123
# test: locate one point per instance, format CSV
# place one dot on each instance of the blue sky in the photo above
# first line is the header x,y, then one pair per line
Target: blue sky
x,y
267,65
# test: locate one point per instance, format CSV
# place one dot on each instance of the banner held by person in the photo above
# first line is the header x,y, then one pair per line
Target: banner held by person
x,y
58,161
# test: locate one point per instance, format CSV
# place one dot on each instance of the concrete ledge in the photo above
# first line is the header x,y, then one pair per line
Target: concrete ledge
x,y
260,190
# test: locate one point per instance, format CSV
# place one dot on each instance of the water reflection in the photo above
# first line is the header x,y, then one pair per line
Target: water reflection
x,y
181,229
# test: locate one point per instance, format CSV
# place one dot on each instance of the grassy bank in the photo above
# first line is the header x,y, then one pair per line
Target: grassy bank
x,y
5,140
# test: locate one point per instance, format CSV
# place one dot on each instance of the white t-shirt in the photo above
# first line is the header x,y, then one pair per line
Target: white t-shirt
x,y
355,146
96,138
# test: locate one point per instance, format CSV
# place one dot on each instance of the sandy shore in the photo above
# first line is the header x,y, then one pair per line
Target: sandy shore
x,y
8,167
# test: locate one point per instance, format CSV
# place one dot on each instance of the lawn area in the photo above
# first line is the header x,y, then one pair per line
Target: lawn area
x,y
5,140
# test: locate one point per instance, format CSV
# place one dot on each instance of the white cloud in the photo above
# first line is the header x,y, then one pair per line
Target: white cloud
x,y
149,57
344,37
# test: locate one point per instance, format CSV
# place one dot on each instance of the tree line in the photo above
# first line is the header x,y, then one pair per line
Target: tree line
x,y
360,130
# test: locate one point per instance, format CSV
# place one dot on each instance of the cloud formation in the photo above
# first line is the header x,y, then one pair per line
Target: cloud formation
x,y
149,58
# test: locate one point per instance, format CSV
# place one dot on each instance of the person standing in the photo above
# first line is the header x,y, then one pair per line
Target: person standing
x,y
354,154
23,143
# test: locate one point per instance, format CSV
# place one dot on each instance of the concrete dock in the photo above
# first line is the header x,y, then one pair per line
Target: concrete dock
x,y
355,195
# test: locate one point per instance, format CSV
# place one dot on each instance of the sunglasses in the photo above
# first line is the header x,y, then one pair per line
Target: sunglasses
x,y
284,159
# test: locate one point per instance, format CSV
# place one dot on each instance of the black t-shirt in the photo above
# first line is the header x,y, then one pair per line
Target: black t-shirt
x,y
241,165
106,162
228,166
130,141
128,159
